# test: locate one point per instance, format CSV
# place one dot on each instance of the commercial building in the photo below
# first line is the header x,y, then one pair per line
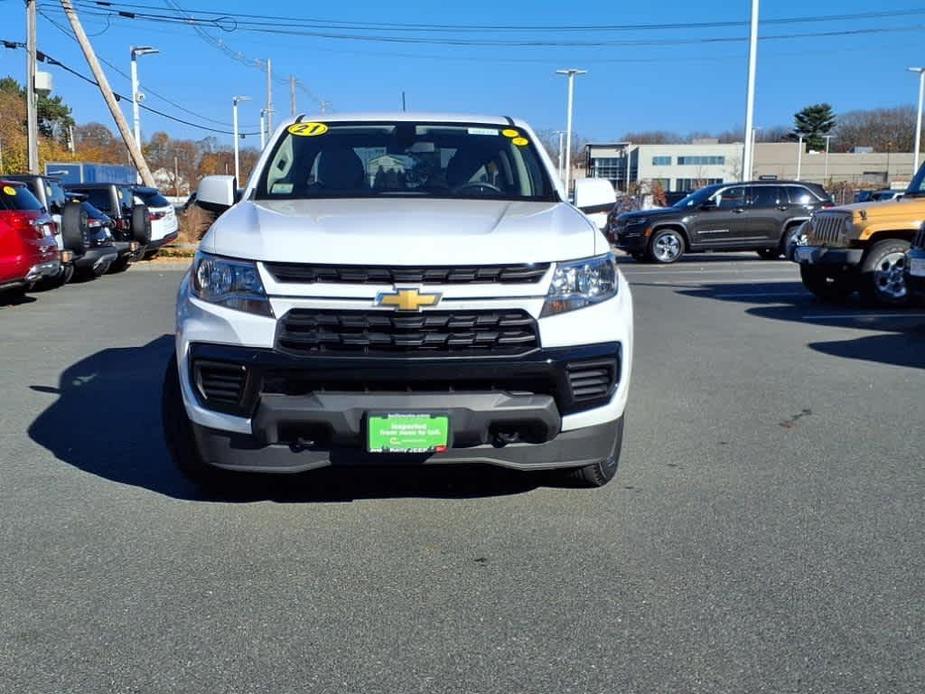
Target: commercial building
x,y
688,166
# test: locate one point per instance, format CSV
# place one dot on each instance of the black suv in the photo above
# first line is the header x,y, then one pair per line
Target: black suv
x,y
758,216
131,223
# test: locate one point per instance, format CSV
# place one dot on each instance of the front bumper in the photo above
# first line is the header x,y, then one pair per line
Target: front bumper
x,y
822,255
631,242
569,449
915,271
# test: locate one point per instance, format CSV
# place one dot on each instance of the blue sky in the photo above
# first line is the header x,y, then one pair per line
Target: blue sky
x,y
680,83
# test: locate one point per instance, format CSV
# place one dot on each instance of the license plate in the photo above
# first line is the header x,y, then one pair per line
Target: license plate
x,y
804,254
407,433
917,267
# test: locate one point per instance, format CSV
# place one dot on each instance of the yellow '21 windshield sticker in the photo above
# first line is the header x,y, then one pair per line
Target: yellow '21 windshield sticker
x,y
308,129
9,190
510,132
520,141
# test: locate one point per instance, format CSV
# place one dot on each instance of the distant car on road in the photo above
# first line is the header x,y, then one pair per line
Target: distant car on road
x,y
28,250
131,229
760,216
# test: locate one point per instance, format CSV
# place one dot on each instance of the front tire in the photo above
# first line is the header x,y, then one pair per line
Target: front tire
x,y
883,280
828,285
600,473
178,435
666,246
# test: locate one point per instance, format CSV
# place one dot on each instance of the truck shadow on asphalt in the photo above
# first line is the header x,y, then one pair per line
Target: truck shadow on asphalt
x,y
902,345
107,421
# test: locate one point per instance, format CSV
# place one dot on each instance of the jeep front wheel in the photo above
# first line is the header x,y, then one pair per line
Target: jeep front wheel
x,y
828,284
666,246
882,273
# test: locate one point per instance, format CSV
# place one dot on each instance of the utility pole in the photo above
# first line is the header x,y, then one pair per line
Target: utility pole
x,y
749,155
825,176
137,157
176,177
800,157
292,106
570,73
404,104
32,119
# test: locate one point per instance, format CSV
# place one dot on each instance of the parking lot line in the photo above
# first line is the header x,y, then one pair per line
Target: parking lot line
x,y
844,316
747,295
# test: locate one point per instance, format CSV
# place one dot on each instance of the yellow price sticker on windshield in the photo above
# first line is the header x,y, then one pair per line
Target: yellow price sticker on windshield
x,y
521,141
510,132
307,129
9,190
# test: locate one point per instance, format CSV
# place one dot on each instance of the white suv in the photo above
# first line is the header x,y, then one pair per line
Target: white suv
x,y
399,288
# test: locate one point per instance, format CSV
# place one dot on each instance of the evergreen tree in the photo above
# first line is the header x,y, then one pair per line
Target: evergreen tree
x,y
813,123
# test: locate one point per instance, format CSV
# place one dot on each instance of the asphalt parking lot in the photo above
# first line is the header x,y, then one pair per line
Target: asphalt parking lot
x,y
765,533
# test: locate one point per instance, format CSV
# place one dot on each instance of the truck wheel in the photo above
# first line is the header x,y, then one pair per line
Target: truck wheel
x,y
769,253
882,278
178,435
789,241
828,285
666,246
600,473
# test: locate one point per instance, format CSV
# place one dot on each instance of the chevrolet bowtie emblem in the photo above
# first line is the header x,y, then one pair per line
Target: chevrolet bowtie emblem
x,y
407,299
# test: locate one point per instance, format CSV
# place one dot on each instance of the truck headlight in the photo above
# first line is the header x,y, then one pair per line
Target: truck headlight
x,y
581,283
231,283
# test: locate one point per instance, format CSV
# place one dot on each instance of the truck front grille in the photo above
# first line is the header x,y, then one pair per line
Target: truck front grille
x,y
526,273
325,331
829,229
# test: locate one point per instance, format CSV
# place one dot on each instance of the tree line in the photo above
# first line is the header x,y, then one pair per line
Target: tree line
x,y
62,139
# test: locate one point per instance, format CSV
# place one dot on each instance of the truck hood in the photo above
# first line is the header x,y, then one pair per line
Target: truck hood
x,y
404,231
899,209
654,213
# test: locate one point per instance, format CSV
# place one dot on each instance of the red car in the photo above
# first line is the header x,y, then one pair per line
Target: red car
x,y
28,250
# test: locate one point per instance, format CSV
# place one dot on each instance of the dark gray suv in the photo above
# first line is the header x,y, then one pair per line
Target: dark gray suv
x,y
756,216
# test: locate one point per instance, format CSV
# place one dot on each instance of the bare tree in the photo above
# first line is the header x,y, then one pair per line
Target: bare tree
x,y
884,129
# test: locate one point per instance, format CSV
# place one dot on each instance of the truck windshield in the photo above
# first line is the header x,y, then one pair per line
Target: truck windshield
x,y
404,159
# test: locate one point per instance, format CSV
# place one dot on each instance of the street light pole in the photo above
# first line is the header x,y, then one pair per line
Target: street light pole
x,y
136,106
234,120
749,153
800,157
263,137
918,120
570,73
825,176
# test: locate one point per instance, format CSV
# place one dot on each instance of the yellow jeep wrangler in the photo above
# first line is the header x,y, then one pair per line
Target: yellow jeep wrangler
x,y
862,247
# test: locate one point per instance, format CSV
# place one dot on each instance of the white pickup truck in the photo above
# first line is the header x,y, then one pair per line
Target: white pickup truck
x,y
399,288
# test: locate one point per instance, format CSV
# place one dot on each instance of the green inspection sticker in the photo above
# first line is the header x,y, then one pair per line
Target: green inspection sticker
x,y
408,433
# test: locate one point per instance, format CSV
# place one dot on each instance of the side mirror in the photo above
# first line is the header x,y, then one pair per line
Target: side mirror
x,y
217,193
593,193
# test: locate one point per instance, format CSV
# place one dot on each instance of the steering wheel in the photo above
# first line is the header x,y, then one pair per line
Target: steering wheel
x,y
477,184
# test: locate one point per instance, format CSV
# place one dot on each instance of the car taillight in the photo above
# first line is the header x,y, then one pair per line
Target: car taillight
x,y
154,216
94,224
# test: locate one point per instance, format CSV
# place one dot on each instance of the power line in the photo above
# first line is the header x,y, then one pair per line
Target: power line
x,y
191,20
223,19
45,58
126,76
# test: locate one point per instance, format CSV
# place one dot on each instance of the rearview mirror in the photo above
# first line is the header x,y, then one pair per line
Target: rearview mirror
x,y
593,193
217,193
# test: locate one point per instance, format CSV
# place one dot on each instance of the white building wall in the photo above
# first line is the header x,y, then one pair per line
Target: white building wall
x,y
648,170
